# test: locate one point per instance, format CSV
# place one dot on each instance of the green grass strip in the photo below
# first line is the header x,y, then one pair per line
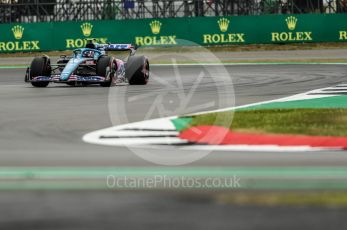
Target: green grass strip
x,y
315,122
319,103
321,198
333,102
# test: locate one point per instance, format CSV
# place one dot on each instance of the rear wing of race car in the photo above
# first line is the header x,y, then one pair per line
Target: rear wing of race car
x,y
119,47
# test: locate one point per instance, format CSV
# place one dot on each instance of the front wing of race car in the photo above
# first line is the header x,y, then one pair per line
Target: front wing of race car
x,y
90,79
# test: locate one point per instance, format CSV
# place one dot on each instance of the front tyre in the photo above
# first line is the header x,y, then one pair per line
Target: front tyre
x,y
137,70
40,66
104,68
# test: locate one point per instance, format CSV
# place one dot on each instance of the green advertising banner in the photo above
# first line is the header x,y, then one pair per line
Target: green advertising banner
x,y
175,31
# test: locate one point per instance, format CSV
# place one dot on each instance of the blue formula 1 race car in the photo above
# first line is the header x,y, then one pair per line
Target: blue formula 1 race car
x,y
91,65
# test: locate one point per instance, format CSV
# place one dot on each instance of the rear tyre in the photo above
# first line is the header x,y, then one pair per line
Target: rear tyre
x,y
104,69
40,66
137,70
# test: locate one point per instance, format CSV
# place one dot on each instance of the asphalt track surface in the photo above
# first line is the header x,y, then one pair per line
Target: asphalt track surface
x,y
44,127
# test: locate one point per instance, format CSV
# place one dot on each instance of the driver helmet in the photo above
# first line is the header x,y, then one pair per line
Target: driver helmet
x,y
88,53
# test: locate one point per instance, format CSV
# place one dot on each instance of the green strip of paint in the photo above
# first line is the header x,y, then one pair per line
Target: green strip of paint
x,y
30,172
181,123
12,67
250,177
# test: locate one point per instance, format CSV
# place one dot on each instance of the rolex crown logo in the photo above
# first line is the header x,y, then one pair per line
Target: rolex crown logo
x,y
87,29
155,27
291,22
18,31
223,24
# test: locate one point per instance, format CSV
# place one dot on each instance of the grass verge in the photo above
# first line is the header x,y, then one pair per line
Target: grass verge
x,y
323,198
314,122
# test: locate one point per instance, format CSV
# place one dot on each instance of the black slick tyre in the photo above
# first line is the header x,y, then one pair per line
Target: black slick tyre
x,y
103,68
137,70
40,66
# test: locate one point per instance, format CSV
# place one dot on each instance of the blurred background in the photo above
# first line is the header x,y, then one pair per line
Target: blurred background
x,y
65,10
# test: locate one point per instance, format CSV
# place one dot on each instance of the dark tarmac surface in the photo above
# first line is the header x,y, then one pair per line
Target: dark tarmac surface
x,y
106,210
44,127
